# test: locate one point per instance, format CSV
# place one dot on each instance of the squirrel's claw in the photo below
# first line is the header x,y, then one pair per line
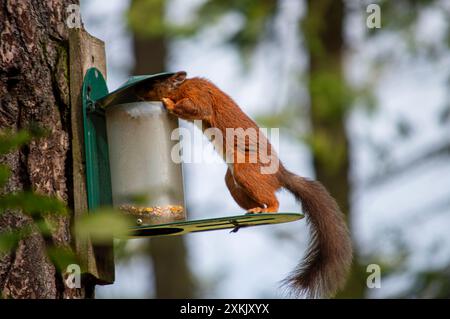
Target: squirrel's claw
x,y
168,103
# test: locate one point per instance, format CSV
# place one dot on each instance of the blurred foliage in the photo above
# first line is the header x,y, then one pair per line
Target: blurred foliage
x,y
402,15
334,96
103,224
61,257
321,145
29,203
257,16
287,118
146,18
10,238
99,225
432,283
10,140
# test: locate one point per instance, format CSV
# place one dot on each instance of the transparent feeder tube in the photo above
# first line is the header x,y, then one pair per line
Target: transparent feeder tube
x,y
143,174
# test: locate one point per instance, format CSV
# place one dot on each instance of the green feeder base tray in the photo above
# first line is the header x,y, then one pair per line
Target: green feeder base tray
x,y
232,222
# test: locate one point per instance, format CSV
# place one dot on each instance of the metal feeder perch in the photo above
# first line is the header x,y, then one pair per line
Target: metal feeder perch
x,y
128,164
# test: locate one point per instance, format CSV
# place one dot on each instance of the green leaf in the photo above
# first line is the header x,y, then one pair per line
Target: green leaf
x,y
10,141
61,257
102,225
32,203
10,238
146,17
5,173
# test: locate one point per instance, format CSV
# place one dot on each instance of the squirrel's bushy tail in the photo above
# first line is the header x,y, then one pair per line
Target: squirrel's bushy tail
x,y
324,269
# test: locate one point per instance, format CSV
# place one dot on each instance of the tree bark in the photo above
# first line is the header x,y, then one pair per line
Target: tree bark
x,y
34,88
173,278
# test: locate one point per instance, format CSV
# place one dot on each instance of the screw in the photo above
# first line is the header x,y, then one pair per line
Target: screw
x,y
139,222
90,107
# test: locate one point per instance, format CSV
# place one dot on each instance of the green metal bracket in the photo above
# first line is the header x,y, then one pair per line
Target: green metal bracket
x,y
98,177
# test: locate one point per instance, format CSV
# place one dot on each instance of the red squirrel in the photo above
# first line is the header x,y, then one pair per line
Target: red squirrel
x,y
324,269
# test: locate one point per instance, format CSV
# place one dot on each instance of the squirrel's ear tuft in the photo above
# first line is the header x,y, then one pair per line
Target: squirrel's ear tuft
x,y
179,77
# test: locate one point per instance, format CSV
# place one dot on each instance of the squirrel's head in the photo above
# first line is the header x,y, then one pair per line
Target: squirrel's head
x,y
164,88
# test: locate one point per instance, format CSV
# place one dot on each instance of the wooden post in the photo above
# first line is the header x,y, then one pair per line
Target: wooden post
x,y
86,51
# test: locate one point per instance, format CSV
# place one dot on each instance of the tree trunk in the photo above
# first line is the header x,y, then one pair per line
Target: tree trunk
x,y
34,88
173,278
329,103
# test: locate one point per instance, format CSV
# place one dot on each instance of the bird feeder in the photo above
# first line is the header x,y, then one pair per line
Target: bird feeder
x,y
128,161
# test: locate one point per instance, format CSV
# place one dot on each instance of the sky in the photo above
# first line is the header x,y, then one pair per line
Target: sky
x,y
236,265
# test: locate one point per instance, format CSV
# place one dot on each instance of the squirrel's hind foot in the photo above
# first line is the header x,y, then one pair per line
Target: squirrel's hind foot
x,y
258,210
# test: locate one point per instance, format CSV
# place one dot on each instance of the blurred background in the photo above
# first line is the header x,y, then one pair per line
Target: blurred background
x,y
364,110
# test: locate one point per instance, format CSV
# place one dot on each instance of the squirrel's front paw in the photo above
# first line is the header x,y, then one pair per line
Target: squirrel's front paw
x,y
168,103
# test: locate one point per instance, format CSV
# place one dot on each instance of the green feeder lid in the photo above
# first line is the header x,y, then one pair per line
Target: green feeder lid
x,y
128,92
230,222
